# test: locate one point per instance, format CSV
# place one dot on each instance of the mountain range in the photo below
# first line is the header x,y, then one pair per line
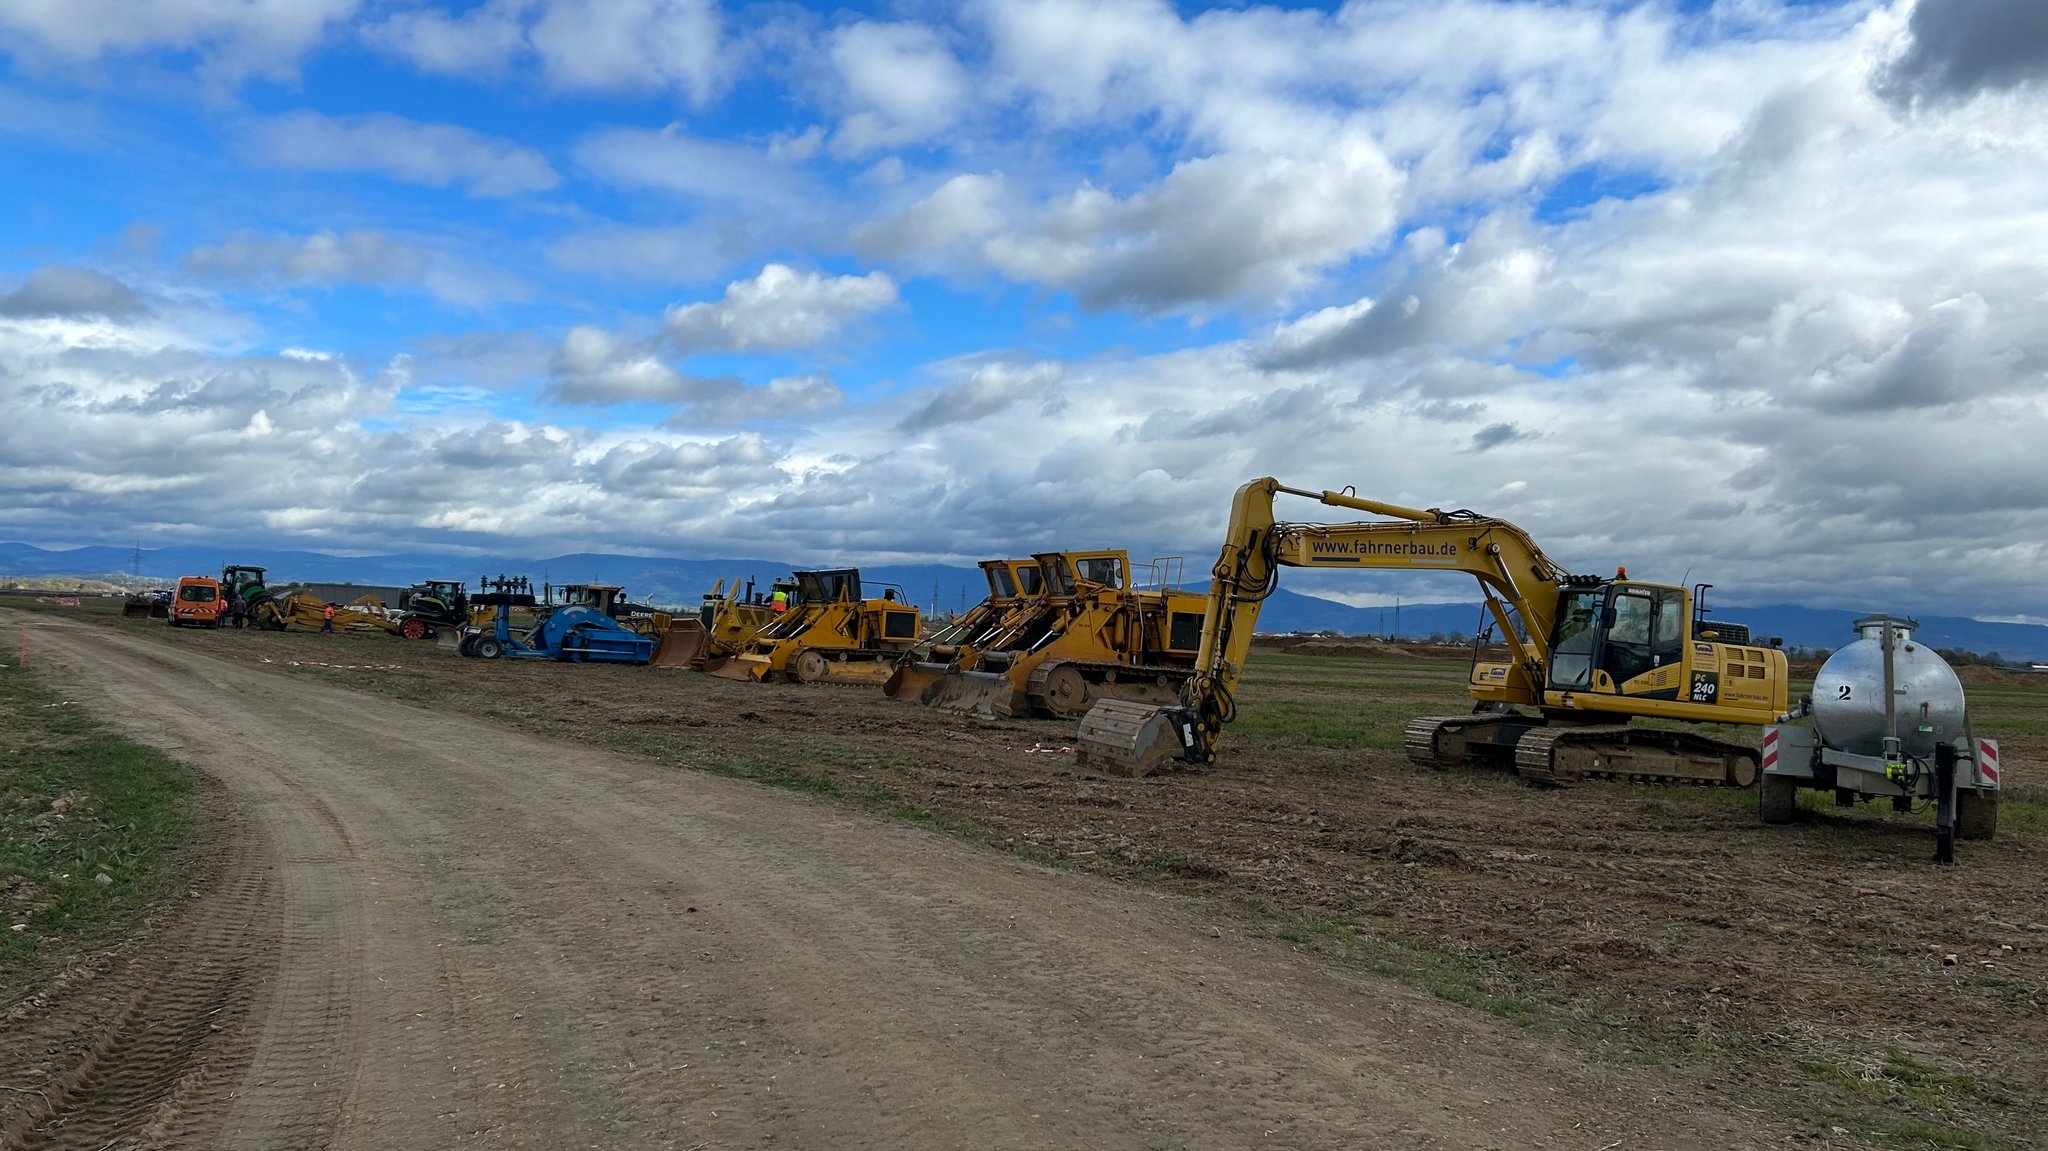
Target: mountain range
x,y
677,581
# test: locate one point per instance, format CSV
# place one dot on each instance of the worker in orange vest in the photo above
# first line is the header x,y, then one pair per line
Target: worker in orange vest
x,y
327,618
779,602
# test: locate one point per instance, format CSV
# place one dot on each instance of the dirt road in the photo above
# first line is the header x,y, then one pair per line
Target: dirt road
x,y
418,931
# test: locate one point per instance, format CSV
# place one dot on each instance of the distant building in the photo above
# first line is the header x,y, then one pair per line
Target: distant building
x,y
351,592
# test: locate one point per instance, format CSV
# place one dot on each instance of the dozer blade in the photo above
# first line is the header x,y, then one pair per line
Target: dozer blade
x,y
448,637
746,668
910,681
1125,738
982,693
682,645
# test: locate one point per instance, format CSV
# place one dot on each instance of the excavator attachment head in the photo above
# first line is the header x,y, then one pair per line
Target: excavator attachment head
x,y
1125,738
683,644
910,681
983,693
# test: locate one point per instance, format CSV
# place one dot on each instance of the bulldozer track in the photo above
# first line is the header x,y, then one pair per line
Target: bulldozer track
x,y
1138,684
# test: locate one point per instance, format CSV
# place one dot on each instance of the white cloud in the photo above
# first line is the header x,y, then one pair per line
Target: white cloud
x,y
482,41
58,290
355,256
1220,229
902,85
671,161
600,367
602,46
435,155
628,45
779,309
987,390
259,36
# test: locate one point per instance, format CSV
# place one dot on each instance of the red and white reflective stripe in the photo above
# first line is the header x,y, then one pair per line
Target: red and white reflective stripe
x,y
1987,760
1770,748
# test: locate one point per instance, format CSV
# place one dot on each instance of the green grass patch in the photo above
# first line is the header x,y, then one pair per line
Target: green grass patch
x,y
1456,975
1900,1101
77,803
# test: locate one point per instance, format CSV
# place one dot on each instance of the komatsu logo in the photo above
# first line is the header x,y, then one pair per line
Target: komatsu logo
x,y
1351,548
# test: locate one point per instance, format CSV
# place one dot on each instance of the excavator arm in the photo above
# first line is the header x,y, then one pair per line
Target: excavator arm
x,y
1519,582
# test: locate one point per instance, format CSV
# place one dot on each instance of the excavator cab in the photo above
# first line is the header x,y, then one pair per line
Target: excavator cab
x,y
1620,638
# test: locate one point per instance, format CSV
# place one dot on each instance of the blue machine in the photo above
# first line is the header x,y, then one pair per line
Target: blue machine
x,y
577,632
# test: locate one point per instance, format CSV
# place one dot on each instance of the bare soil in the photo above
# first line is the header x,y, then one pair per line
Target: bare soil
x,y
495,905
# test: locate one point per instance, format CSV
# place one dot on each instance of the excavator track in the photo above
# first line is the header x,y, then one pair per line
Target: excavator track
x,y
1069,688
1561,754
1419,738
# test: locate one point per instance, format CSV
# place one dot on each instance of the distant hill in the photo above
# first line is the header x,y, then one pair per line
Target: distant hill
x,y
677,581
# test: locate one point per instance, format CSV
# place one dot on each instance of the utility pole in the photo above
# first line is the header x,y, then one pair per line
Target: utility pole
x,y
1397,617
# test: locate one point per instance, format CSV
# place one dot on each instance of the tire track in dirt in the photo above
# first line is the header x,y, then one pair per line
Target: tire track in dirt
x,y
487,937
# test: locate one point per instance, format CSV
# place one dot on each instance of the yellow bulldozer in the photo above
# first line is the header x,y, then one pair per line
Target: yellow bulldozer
x,y
1090,635
832,635
1014,590
1586,654
727,621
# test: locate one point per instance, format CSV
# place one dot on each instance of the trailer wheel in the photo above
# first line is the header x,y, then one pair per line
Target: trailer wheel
x,y
1976,815
466,647
1777,797
488,647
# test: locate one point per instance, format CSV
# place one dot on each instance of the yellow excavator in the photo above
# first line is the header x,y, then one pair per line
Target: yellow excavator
x,y
1091,635
1585,654
832,636
1014,587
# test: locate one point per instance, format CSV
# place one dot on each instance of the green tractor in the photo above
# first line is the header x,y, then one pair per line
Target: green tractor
x,y
430,605
249,598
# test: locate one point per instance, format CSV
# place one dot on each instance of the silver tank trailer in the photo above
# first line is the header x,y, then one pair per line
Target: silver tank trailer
x,y
1848,694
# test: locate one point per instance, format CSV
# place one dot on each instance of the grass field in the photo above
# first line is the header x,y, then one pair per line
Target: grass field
x,y
89,827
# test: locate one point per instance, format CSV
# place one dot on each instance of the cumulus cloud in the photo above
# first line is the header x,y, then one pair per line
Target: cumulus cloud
x,y
1217,230
59,290
609,46
1961,47
600,367
355,256
363,255
260,36
902,85
779,309
668,160
726,401
435,155
482,41
989,389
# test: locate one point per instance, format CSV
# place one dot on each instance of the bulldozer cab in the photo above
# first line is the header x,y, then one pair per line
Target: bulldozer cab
x,y
1608,635
597,596
828,586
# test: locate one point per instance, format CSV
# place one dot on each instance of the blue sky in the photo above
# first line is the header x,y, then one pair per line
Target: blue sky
x,y
1669,284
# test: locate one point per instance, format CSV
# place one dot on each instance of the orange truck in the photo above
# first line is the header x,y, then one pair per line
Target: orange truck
x,y
197,602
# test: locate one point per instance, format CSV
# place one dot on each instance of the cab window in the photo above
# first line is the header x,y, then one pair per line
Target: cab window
x,y
196,593
1031,580
1000,584
1105,570
1571,653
